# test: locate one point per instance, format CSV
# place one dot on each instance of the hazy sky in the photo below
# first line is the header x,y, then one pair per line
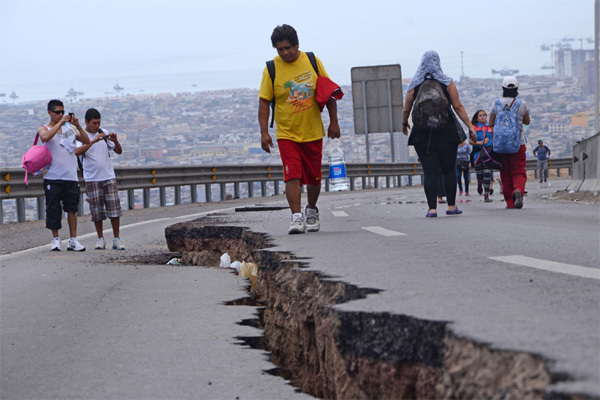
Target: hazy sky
x,y
224,43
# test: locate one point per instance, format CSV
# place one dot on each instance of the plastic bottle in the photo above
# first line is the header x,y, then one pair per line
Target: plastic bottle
x,y
338,179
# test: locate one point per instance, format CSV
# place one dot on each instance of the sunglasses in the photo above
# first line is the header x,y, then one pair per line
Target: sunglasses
x,y
58,112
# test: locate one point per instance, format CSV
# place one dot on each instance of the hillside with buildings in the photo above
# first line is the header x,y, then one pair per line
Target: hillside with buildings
x,y
221,127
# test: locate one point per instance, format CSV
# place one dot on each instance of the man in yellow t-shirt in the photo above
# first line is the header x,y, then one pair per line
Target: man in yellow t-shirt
x,y
300,130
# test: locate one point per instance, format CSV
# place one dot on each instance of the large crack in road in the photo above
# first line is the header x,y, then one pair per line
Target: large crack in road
x,y
329,353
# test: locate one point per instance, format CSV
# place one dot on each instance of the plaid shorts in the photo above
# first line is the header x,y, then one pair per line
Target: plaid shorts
x,y
104,200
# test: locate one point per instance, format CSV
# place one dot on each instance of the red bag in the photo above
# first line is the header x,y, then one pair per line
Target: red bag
x,y
37,159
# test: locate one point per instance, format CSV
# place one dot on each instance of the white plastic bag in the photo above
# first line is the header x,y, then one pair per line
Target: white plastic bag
x,y
225,261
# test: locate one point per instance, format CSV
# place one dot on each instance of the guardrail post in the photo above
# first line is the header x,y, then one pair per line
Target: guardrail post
x,y
177,195
327,184
557,172
352,184
236,190
146,197
223,190
399,177
535,173
387,182
1,213
263,188
364,182
194,194
41,207
207,192
376,183
276,187
410,180
21,209
162,193
131,199
250,189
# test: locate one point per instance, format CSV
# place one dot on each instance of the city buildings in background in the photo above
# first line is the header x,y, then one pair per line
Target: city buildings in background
x,y
221,127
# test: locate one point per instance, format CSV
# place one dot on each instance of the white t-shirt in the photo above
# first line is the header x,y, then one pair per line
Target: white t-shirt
x,y
97,165
520,112
64,164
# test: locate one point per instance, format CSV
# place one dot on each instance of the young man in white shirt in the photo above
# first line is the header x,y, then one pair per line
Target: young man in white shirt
x,y
99,175
61,184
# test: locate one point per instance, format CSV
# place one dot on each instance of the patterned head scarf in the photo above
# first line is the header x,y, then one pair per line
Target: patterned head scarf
x,y
430,63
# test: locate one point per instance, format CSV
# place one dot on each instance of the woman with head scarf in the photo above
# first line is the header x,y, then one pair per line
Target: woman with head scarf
x,y
436,148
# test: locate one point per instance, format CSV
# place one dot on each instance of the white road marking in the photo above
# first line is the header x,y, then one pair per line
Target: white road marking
x,y
382,231
552,266
339,213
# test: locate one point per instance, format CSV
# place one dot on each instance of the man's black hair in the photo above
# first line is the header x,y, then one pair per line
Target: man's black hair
x,y
510,92
284,32
52,104
91,114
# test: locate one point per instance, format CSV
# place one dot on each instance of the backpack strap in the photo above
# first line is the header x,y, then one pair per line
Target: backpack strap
x,y
313,61
516,104
498,106
271,69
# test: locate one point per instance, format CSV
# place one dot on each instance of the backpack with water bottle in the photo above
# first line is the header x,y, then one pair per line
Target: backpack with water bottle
x,y
507,131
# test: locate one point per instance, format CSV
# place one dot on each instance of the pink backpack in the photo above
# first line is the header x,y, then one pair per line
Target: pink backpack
x,y
37,159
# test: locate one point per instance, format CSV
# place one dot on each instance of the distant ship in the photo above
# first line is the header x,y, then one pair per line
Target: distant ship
x,y
505,71
563,45
547,67
118,87
73,93
13,95
545,47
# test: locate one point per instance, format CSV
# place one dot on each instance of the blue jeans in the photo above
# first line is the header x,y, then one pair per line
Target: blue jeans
x,y
460,174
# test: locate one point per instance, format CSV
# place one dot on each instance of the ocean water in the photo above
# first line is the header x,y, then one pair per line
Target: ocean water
x,y
99,85
185,75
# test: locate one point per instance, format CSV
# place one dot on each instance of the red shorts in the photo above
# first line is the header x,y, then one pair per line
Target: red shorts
x,y
301,161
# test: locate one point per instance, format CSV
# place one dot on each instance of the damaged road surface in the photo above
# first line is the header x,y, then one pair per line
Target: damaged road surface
x,y
381,303
350,313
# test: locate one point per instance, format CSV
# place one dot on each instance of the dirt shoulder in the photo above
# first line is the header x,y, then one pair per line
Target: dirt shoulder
x,y
583,197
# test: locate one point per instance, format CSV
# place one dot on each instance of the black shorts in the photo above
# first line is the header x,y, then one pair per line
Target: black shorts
x,y
60,196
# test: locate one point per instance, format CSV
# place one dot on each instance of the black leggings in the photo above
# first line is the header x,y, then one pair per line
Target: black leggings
x,y
438,156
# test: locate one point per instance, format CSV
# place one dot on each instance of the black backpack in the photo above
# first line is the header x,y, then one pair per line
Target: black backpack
x,y
431,108
271,69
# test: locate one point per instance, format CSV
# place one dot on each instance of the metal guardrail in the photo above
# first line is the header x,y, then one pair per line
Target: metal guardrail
x,y
12,185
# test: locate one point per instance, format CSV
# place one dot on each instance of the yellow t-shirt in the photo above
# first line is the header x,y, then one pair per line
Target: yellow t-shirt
x,y
297,113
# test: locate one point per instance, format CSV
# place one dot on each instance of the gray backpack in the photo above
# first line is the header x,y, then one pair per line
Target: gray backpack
x,y
431,108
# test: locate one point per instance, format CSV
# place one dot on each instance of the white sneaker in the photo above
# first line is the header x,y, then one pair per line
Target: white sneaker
x,y
55,244
117,245
298,224
312,219
100,244
74,245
